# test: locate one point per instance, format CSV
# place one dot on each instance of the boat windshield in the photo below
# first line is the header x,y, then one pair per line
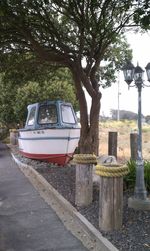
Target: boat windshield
x,y
67,114
31,118
47,114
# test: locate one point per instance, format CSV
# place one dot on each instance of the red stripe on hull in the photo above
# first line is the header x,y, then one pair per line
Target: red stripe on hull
x,y
60,159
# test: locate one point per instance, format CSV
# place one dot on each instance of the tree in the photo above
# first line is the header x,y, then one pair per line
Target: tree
x,y
70,33
33,92
142,14
17,91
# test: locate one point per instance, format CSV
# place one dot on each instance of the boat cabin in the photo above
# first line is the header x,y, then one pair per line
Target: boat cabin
x,y
50,114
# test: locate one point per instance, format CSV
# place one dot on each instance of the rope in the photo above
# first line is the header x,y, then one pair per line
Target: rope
x,y
111,170
13,130
84,159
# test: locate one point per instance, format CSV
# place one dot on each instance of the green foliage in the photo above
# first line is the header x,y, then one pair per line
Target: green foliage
x,y
7,101
33,92
114,58
142,14
4,132
147,174
131,176
16,94
21,68
64,31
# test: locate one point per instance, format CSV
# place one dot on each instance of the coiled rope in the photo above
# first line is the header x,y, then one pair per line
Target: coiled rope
x,y
13,130
111,170
84,159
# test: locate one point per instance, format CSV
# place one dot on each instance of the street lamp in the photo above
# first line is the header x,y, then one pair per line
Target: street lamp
x,y
139,200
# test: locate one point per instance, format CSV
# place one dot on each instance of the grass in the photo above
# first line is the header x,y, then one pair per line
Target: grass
x,y
124,128
118,124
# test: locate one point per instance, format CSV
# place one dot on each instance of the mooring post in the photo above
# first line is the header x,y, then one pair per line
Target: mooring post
x,y
112,143
111,196
84,179
133,145
13,136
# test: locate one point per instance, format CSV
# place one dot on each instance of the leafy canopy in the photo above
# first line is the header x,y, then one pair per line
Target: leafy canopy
x,y
16,93
62,31
57,88
142,14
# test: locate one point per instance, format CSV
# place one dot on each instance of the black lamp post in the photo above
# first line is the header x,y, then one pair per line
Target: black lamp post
x,y
139,201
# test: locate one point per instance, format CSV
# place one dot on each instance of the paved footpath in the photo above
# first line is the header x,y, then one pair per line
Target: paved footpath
x,y
27,223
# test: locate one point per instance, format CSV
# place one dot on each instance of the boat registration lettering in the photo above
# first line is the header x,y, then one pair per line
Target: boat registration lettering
x,y
38,132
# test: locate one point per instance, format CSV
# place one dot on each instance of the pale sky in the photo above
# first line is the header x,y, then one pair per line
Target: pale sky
x,y
128,99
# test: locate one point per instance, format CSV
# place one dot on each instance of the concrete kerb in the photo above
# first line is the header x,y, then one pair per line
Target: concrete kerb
x,y
72,219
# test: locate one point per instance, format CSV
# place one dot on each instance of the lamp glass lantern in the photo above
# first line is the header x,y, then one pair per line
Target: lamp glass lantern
x,y
128,71
138,74
148,71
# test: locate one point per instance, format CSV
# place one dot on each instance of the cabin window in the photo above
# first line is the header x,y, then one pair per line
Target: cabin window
x,y
31,118
47,114
67,114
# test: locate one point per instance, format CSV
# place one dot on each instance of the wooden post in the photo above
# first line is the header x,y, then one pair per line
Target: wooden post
x,y
84,184
112,144
110,203
133,145
13,137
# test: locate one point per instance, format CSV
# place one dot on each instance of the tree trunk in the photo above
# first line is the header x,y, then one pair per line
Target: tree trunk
x,y
89,137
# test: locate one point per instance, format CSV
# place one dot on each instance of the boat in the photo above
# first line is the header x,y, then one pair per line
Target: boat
x,y
51,132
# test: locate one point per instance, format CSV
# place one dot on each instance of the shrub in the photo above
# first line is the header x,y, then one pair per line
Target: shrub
x,y
147,174
130,178
4,132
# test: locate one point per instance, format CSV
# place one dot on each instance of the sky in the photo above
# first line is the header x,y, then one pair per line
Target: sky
x,y
128,99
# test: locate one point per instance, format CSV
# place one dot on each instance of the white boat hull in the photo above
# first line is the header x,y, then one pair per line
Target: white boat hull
x,y
54,145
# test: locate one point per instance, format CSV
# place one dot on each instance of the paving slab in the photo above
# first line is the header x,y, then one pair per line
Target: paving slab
x,y
27,222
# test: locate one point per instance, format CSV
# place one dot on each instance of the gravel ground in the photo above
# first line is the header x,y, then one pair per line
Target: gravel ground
x,y
135,231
